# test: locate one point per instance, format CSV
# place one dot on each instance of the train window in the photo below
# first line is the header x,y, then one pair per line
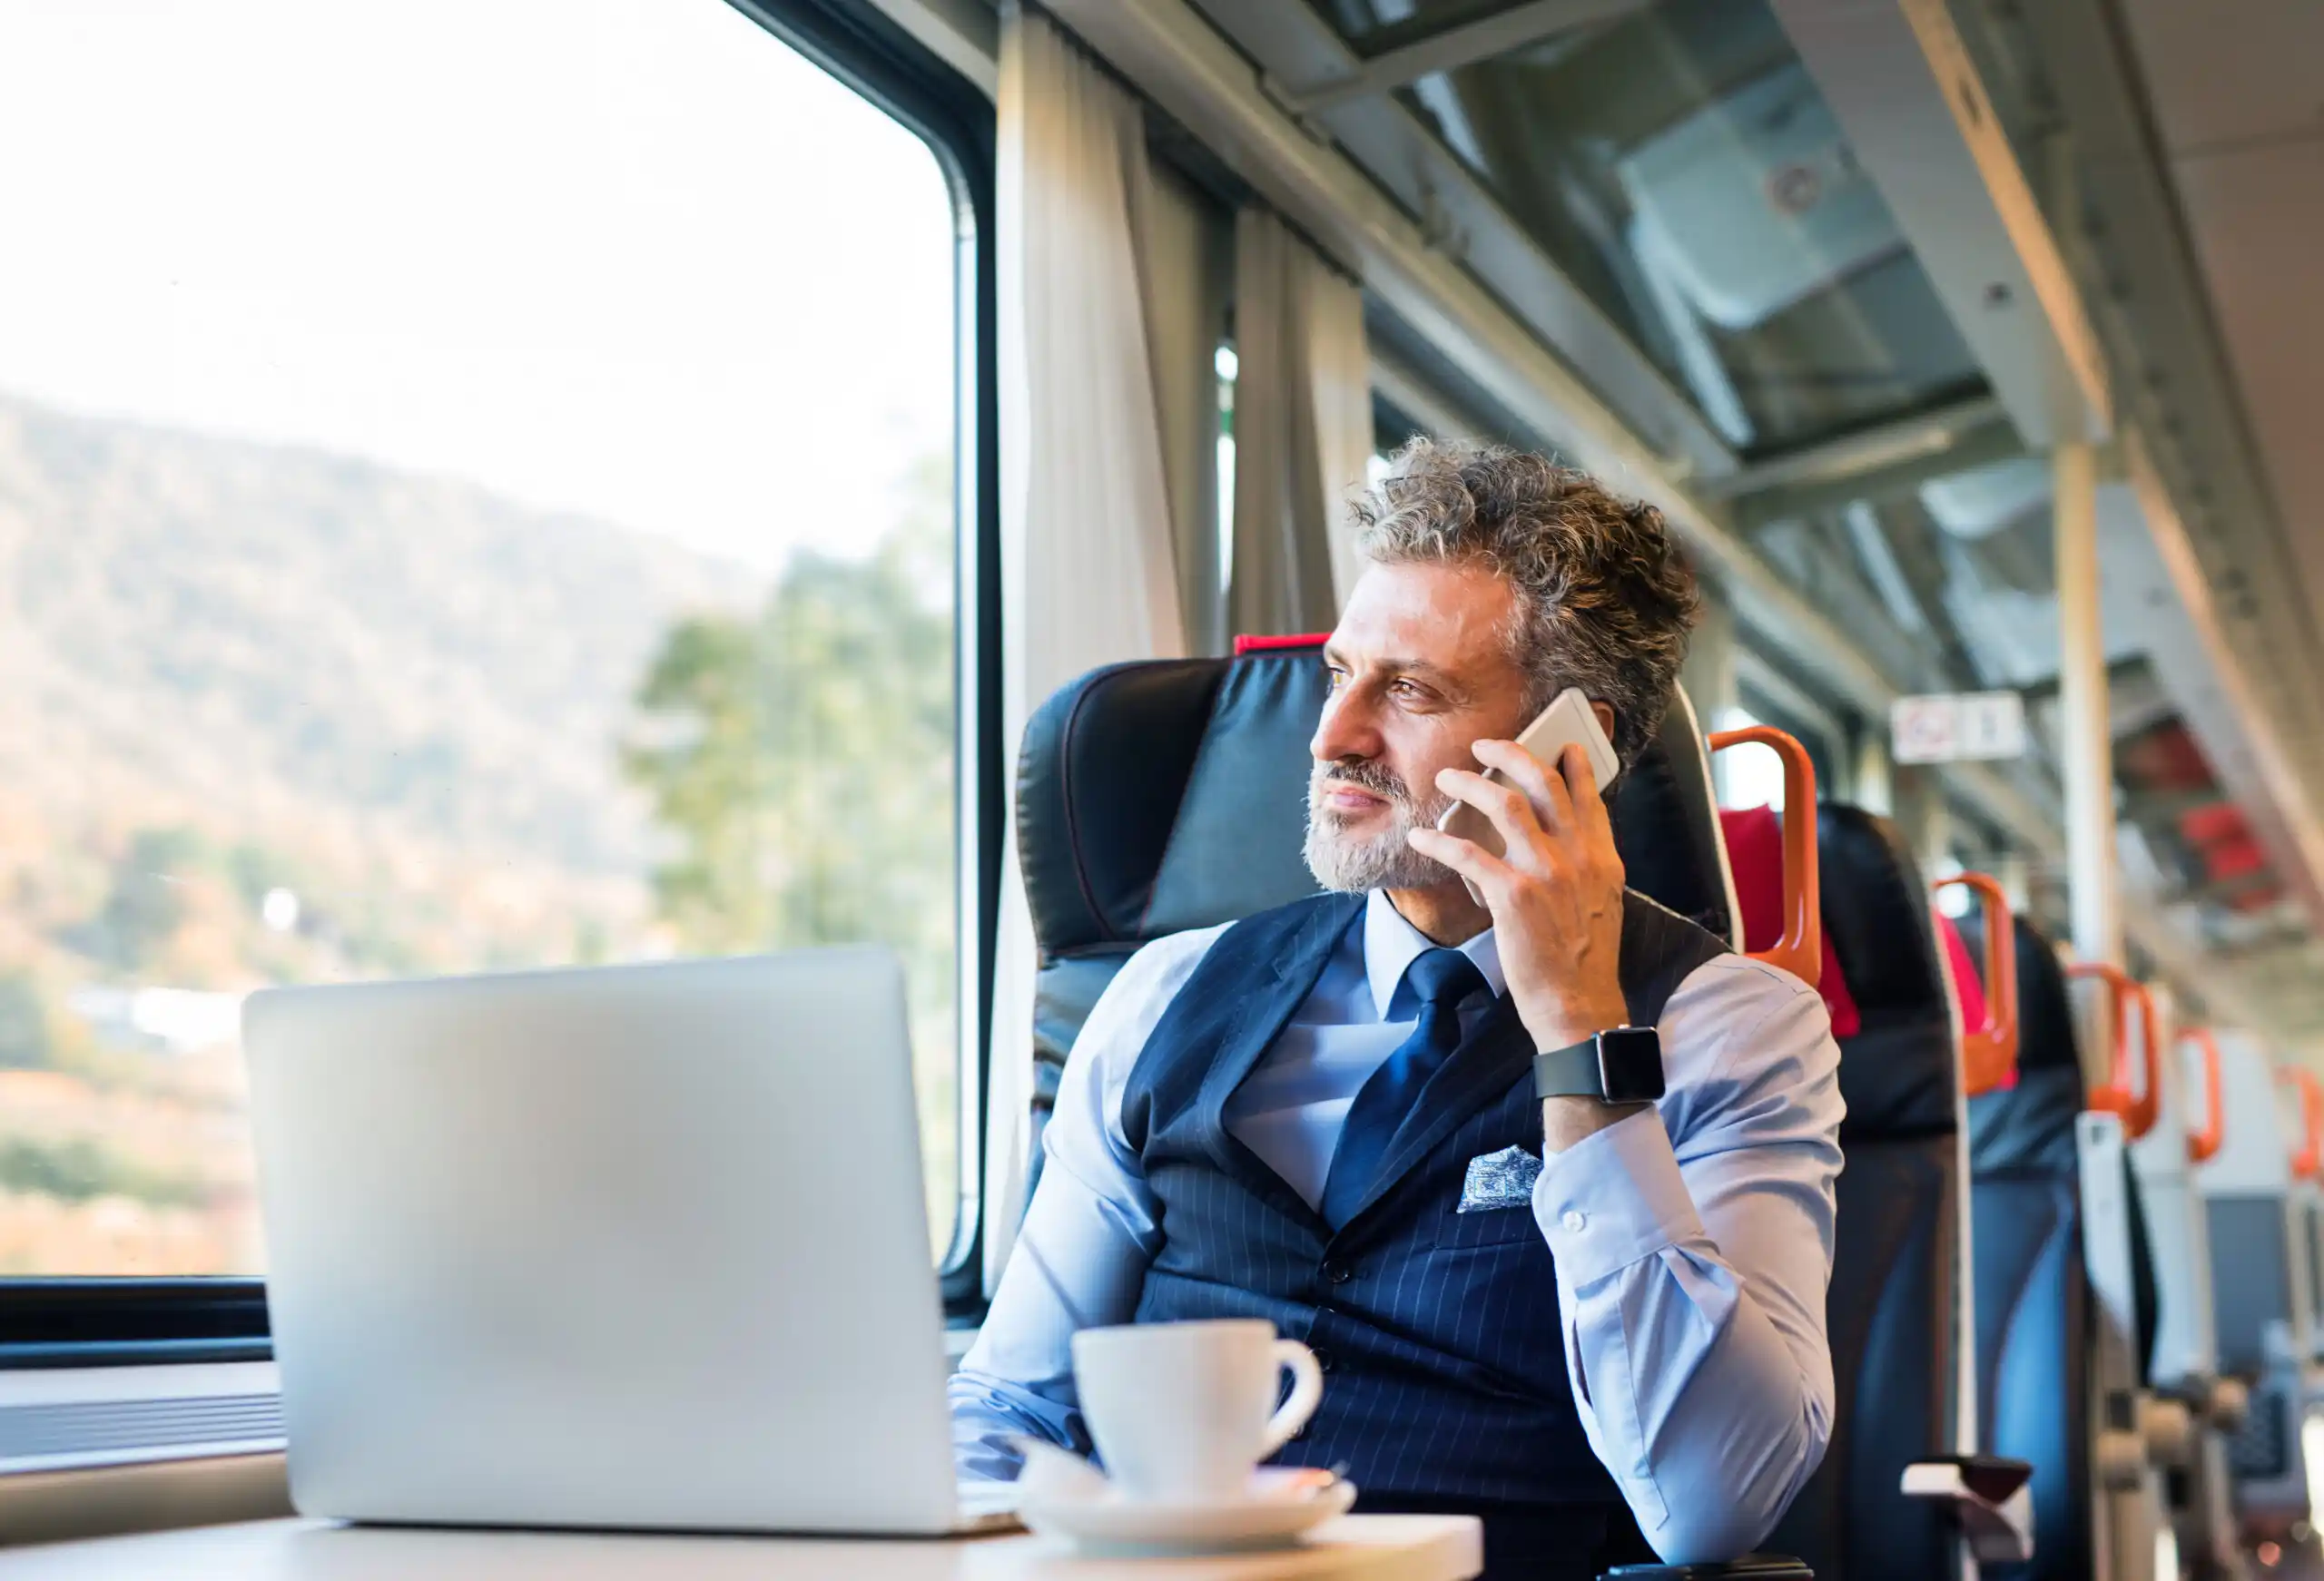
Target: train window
x,y
480,487
1955,901
1678,163
1227,366
1752,775
1391,425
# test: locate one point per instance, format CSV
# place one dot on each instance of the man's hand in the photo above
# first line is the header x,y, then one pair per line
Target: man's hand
x,y
1556,898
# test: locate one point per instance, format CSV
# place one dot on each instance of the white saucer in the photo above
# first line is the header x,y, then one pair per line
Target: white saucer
x,y
1271,1517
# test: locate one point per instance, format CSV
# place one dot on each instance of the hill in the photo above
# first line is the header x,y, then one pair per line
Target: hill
x,y
270,715
240,634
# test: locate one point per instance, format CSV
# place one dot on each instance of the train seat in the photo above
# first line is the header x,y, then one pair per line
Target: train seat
x,y
2246,1190
2260,1314
1755,856
1894,1301
1162,795
2182,1353
1893,1294
2305,1202
2032,1296
2066,1266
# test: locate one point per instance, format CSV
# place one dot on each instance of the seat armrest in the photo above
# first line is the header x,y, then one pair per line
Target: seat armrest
x,y
1989,1498
1749,1568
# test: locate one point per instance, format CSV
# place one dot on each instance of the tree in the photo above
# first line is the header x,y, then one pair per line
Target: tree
x,y
802,759
145,908
25,1042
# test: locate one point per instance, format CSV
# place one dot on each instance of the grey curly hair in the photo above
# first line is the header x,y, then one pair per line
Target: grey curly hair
x,y
1605,599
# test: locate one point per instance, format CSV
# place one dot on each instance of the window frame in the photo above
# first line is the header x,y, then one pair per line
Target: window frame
x,y
106,1320
869,52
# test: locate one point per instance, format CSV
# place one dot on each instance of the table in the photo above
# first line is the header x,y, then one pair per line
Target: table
x,y
1355,1548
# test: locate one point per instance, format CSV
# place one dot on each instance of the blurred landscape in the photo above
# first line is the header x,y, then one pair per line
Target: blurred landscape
x,y
269,715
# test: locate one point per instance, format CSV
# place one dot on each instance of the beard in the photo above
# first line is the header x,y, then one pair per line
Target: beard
x,y
1344,860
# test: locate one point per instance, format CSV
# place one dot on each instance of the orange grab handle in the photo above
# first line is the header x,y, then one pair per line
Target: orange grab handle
x,y
2308,1161
2203,1145
1989,1053
2138,1108
1800,950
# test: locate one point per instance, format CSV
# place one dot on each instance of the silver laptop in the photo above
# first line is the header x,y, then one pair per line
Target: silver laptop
x,y
642,1246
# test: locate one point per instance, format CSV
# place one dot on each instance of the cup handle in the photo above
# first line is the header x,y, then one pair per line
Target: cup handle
x,y
1306,1394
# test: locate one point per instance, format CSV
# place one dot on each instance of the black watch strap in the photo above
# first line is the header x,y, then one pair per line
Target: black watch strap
x,y
1622,1065
1569,1073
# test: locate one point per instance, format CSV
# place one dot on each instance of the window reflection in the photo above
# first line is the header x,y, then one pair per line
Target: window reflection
x,y
1678,163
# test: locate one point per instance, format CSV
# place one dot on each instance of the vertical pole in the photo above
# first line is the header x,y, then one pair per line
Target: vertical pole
x,y
2089,744
2124,1532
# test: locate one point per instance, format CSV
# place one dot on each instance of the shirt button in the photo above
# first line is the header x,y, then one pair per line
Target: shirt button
x,y
1338,1272
1322,1358
1574,1220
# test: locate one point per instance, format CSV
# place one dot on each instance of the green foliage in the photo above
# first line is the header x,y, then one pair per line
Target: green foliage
x,y
80,1168
145,909
803,761
26,1042
255,870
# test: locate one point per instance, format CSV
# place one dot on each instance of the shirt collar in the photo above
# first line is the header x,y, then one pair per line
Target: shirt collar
x,y
1391,944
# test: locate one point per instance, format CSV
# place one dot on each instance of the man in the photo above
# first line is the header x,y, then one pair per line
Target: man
x,y
1328,1115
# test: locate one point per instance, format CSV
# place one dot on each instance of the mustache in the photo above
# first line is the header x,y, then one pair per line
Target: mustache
x,y
1364,774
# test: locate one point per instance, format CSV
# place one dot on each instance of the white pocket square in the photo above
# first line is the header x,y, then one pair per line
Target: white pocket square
x,y
1500,1179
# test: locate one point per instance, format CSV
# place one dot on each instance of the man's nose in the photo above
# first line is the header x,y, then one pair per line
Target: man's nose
x,y
1346,729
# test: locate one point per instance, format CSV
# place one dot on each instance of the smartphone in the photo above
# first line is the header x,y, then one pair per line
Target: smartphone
x,y
1567,720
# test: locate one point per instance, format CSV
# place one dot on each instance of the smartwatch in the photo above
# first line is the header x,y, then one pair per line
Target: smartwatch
x,y
1620,1066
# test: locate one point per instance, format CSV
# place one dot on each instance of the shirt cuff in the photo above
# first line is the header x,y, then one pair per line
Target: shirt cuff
x,y
1612,1198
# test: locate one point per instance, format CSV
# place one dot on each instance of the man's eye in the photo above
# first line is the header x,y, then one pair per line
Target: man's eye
x,y
1338,676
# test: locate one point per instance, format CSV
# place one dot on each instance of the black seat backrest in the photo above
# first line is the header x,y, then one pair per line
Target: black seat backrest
x,y
1163,795
2033,1294
1156,797
2030,1128
1891,1312
1666,825
2247,1216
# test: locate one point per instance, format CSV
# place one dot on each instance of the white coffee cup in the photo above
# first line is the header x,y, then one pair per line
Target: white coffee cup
x,y
1183,1413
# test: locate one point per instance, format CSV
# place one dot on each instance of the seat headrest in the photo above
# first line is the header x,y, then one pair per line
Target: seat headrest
x,y
1666,825
2029,1126
1167,794
1876,913
1755,856
1900,1069
2046,1036
1968,980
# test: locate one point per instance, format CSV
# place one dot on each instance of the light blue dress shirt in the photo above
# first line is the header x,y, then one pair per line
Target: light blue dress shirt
x,y
1693,1241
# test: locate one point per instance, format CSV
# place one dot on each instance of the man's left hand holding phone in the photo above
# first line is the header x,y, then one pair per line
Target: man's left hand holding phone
x,y
1553,885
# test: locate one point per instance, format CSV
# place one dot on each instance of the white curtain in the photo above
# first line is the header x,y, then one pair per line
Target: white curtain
x,y
1339,373
1186,274
1089,542
1303,430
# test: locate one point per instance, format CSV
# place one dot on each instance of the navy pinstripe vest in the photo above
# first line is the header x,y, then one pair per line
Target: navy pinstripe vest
x,y
1441,1330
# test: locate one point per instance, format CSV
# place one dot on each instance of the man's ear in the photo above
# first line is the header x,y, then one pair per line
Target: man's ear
x,y
1605,712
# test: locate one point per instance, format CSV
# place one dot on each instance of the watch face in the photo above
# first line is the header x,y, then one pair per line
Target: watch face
x,y
1630,1064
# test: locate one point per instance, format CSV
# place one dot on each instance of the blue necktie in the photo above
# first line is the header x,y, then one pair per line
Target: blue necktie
x,y
1442,978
